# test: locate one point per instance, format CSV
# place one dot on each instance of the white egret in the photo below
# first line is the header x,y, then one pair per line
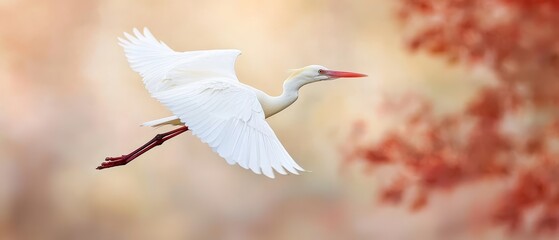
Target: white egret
x,y
202,91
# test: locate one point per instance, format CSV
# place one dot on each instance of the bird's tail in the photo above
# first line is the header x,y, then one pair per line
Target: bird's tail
x,y
172,120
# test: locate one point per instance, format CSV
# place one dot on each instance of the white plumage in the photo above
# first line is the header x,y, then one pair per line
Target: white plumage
x,y
202,91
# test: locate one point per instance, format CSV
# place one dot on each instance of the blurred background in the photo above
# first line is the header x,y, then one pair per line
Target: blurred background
x,y
68,99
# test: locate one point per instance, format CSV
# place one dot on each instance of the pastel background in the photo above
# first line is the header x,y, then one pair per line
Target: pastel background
x,y
68,99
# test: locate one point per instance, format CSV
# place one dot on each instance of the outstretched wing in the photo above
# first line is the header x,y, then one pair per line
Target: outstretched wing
x,y
201,88
228,117
163,69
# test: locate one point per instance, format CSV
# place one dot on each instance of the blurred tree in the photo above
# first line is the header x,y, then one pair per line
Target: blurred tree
x,y
509,131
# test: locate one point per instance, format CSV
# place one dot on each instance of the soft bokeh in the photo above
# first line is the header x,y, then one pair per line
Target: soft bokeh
x,y
68,99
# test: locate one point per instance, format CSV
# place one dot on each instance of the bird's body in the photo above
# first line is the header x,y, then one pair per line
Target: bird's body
x,y
270,104
202,91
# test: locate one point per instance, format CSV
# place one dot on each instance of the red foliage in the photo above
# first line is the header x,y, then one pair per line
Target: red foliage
x,y
519,41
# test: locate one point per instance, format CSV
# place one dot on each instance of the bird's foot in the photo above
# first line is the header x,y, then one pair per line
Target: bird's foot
x,y
156,141
114,161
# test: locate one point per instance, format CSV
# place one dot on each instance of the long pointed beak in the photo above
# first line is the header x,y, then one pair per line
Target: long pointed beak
x,y
341,74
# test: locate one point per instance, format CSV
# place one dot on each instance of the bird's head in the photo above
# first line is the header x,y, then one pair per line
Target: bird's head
x,y
314,73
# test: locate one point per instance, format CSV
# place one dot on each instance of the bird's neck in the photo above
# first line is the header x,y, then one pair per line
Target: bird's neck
x,y
275,104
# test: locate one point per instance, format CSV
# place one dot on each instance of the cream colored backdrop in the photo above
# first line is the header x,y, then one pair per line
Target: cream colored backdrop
x,y
68,99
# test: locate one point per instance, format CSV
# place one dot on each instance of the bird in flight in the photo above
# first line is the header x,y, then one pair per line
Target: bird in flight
x,y
202,91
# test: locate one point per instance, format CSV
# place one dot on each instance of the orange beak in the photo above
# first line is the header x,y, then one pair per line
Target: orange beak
x,y
341,74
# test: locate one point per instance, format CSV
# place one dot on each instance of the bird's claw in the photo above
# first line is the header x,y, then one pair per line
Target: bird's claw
x,y
113,162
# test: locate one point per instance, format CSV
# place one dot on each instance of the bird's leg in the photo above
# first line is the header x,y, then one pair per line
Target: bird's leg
x,y
156,141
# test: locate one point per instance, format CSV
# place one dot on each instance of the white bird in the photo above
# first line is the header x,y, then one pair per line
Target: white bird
x,y
202,91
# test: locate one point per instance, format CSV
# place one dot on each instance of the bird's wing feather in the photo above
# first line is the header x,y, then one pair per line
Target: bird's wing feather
x,y
228,117
163,69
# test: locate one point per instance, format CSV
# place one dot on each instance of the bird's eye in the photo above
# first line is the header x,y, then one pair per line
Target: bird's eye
x,y
320,71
